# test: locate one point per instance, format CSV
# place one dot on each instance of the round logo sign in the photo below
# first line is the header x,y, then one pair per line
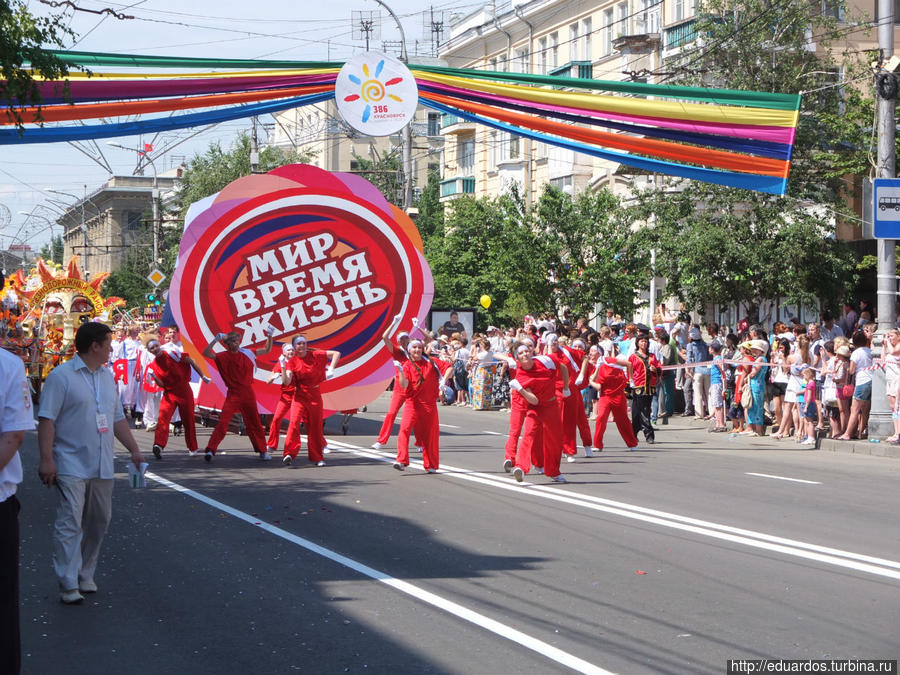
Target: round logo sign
x,y
376,94
304,252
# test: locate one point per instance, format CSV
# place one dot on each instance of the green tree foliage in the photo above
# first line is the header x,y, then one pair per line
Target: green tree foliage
x,y
24,42
431,211
53,250
596,257
717,245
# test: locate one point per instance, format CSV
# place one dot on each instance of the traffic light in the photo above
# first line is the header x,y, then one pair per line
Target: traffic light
x,y
151,298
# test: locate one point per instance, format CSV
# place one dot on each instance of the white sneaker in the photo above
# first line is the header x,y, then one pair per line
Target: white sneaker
x,y
418,448
432,470
399,466
321,462
507,465
588,451
539,470
809,441
286,460
570,458
265,456
559,479
518,474
326,450
71,597
630,449
192,453
377,446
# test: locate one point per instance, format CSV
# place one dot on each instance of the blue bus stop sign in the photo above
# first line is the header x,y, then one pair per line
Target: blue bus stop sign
x,y
886,211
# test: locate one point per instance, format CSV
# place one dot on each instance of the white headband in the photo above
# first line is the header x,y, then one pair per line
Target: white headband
x,y
298,340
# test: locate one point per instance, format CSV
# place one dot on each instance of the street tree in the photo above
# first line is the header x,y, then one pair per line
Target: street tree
x,y
596,259
26,57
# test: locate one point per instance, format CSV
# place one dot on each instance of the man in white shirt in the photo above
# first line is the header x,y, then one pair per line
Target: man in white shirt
x,y
16,417
78,418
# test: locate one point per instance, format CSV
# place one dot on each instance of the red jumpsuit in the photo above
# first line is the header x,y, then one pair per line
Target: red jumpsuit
x,y
542,421
237,370
306,376
174,375
569,405
399,354
612,379
420,414
518,407
282,408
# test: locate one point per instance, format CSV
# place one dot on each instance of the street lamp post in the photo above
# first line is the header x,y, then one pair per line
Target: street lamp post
x,y
154,197
407,130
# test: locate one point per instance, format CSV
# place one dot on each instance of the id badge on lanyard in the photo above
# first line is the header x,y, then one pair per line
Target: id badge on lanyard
x,y
102,420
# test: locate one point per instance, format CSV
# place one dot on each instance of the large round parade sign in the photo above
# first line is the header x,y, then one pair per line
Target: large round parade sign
x,y
376,94
307,252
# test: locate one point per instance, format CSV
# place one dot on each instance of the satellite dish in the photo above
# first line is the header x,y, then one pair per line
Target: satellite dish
x,y
5,216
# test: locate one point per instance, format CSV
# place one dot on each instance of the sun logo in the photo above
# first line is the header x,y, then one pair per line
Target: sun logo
x,y
371,90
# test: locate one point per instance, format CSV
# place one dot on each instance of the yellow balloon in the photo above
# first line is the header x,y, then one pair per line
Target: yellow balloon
x,y
485,301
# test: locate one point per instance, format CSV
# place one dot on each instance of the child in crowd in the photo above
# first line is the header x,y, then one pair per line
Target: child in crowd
x,y
717,387
736,412
809,408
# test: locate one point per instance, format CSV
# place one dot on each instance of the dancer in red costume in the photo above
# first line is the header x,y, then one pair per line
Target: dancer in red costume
x,y
283,407
536,378
578,385
420,382
570,364
611,375
518,407
172,372
399,353
236,367
645,372
306,371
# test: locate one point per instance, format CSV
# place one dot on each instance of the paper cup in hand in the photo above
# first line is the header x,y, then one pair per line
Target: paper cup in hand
x,y
136,476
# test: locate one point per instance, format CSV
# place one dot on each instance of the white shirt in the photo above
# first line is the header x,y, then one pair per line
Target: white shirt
x,y
131,348
16,414
862,357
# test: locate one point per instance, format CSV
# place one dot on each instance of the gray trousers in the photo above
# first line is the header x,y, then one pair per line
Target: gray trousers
x,y
82,516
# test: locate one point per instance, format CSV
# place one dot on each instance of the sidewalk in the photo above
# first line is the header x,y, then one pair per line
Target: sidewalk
x,y
876,449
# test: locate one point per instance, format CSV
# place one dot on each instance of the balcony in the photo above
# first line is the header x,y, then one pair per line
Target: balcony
x,y
451,124
680,35
580,69
455,187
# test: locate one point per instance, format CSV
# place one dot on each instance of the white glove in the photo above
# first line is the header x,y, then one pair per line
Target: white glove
x,y
269,330
566,393
329,372
415,321
221,336
515,384
398,365
282,359
579,380
206,379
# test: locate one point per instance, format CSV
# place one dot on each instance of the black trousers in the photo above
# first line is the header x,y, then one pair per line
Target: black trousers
x,y
640,415
10,652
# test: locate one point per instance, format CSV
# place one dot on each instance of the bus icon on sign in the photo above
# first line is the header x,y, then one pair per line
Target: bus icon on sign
x,y
885,203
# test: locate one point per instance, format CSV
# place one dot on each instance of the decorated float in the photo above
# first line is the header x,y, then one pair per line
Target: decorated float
x,y
42,310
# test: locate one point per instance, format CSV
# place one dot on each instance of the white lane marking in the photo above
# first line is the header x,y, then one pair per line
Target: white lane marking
x,y
793,480
480,620
800,549
493,433
448,426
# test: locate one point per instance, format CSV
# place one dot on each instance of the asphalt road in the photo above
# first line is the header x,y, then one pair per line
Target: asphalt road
x,y
670,559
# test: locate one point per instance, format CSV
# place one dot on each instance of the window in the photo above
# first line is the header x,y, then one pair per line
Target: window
x,y
677,10
492,63
133,220
573,42
542,48
896,11
434,124
607,32
563,183
621,25
835,9
493,149
586,41
522,60
554,51
465,154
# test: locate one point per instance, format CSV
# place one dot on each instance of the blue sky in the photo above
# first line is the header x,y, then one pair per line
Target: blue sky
x,y
272,29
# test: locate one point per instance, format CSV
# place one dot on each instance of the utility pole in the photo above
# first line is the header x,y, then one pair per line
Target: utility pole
x,y
880,422
406,138
254,147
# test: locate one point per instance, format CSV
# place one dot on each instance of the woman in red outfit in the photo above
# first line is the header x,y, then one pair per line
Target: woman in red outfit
x,y
306,370
536,378
611,376
398,353
518,407
420,381
283,407
172,372
645,372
